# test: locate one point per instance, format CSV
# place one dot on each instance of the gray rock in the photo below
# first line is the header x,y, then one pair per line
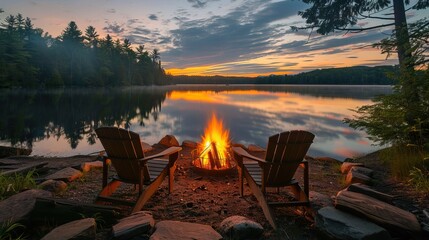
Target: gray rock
x,y
55,186
346,166
166,230
239,227
169,141
87,166
79,229
19,206
67,175
134,225
337,224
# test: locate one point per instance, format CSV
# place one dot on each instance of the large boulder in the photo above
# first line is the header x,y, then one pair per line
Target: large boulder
x,y
79,229
136,224
346,166
169,141
19,206
336,224
239,227
356,177
184,230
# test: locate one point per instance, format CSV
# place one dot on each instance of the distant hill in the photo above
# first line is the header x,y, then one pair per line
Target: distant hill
x,y
360,75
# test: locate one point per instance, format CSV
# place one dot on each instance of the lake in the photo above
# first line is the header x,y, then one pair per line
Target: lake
x,y
62,122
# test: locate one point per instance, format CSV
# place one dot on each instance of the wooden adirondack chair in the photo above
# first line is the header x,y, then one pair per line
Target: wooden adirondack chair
x,y
125,151
285,152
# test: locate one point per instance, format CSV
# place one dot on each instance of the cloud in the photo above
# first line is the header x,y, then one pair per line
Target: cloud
x,y
244,33
111,10
200,3
114,28
153,17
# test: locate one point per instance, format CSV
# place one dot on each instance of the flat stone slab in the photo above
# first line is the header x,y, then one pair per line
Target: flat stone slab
x,y
346,166
20,205
239,227
337,224
68,174
79,229
166,230
134,225
87,166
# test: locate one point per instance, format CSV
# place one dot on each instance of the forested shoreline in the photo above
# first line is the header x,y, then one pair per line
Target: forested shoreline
x,y
31,58
359,75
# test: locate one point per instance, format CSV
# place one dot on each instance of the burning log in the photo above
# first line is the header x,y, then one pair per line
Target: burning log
x,y
211,159
216,156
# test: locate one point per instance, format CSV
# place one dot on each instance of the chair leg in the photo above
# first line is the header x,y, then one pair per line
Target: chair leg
x,y
149,191
110,188
240,180
261,198
171,178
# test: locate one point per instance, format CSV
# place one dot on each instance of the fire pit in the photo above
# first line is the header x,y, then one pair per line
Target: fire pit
x,y
212,155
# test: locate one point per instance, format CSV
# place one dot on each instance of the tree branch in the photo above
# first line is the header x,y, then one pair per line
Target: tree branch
x,y
382,18
354,30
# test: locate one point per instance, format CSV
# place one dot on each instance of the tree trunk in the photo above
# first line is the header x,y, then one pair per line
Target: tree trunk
x,y
401,32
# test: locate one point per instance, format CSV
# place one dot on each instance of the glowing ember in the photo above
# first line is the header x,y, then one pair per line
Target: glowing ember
x,y
213,152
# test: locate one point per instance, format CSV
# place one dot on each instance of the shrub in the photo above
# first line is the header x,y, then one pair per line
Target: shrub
x,y
10,185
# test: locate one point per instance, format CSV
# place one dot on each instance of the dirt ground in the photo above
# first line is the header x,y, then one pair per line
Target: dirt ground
x,y
208,199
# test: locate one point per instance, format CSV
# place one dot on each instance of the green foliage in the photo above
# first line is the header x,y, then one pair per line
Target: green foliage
x,y
31,59
8,231
10,185
419,178
402,159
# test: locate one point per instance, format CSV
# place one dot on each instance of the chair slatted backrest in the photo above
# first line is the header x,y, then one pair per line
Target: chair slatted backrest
x,y
285,151
123,148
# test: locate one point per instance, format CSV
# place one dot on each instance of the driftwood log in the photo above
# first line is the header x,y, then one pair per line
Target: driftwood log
x,y
25,169
63,211
364,189
381,213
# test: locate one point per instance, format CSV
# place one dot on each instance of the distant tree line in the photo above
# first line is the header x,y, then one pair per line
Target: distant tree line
x,y
360,75
31,58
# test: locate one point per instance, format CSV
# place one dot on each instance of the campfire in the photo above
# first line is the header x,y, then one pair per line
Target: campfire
x,y
213,153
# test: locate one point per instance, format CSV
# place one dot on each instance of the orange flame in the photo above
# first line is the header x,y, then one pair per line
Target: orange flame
x,y
214,134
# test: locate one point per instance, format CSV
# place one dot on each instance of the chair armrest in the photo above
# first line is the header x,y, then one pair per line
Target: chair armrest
x,y
166,152
241,152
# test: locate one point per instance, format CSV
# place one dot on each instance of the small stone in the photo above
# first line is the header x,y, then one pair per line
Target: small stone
x,y
87,166
79,229
55,186
169,141
239,227
67,174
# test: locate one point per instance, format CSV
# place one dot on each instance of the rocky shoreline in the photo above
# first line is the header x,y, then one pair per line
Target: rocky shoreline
x,y
212,203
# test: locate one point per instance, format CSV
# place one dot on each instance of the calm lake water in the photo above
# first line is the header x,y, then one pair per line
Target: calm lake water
x,y
62,122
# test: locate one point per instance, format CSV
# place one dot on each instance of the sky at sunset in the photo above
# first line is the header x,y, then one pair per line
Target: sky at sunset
x,y
213,37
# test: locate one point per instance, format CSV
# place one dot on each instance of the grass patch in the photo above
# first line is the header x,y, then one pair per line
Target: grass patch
x,y
16,183
9,230
408,163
